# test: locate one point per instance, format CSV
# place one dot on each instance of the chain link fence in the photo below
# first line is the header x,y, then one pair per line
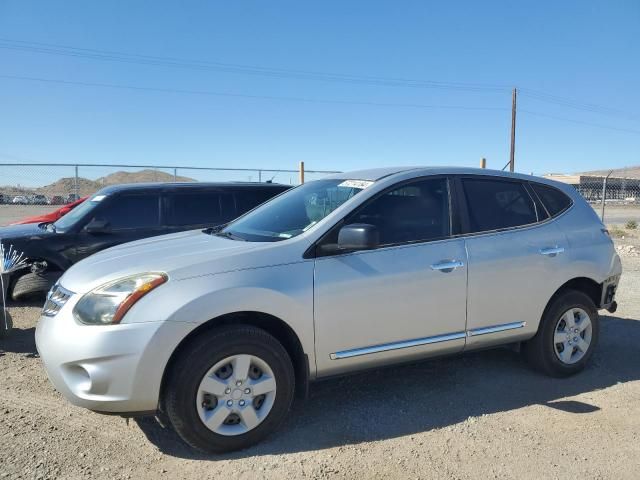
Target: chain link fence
x,y
614,194
33,189
36,188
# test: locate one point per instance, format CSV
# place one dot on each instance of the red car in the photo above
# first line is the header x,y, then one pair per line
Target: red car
x,y
51,216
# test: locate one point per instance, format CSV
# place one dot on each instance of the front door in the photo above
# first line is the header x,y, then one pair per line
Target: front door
x,y
127,217
406,298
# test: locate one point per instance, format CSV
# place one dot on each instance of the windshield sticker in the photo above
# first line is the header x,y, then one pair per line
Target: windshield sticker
x,y
356,184
98,198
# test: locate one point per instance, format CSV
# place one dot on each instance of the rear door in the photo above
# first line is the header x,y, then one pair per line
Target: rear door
x,y
128,216
515,254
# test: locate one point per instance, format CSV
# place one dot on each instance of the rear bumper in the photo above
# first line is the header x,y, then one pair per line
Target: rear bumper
x,y
610,286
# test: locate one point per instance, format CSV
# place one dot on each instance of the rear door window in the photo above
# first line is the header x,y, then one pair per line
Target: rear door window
x,y
553,199
494,204
199,208
131,211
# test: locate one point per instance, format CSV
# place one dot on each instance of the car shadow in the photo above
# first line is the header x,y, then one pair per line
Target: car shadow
x,y
399,401
20,341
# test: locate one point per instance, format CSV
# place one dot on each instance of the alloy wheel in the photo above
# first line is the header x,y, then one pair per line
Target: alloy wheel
x,y
572,336
236,395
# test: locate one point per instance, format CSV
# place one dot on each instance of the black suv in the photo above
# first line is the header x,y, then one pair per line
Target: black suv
x,y
120,214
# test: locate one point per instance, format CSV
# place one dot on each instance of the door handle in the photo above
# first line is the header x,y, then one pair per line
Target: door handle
x,y
551,251
447,266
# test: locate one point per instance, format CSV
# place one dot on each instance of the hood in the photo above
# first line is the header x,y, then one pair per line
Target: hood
x,y
14,234
180,255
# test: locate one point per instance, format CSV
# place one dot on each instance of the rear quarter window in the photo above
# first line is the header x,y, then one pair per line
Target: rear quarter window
x,y
553,199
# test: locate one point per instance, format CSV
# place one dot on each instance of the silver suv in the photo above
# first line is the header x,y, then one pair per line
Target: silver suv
x,y
218,329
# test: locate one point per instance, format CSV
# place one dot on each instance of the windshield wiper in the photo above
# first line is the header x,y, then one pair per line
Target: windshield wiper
x,y
218,233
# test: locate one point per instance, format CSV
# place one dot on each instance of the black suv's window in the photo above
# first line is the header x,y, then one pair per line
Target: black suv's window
x,y
249,199
497,204
131,211
553,199
411,213
200,208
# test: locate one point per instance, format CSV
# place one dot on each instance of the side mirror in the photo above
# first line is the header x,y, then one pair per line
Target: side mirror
x,y
358,236
97,226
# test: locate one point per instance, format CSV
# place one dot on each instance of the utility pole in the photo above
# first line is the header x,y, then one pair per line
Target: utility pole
x,y
513,132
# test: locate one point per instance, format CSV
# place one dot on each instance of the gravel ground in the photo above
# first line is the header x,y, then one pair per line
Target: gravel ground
x,y
481,415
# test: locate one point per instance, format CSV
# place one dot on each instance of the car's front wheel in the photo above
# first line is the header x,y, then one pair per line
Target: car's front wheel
x,y
229,389
32,285
567,335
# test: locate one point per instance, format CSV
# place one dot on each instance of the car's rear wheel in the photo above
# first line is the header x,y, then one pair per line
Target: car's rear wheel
x,y
229,389
567,335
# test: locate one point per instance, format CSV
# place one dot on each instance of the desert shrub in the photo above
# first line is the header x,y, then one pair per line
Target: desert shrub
x,y
616,232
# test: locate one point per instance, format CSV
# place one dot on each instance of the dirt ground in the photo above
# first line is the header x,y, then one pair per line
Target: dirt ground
x,y
481,415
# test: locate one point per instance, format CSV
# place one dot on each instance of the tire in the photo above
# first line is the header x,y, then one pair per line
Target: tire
x,y
186,407
543,352
32,285
5,329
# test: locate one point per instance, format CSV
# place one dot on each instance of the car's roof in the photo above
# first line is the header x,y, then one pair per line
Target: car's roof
x,y
188,185
371,174
375,174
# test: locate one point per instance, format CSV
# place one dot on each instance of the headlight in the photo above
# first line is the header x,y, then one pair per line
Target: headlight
x,y
107,304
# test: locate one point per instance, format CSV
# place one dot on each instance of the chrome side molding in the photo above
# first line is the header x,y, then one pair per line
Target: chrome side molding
x,y
356,352
387,347
495,329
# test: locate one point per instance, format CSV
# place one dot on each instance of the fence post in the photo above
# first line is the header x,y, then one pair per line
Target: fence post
x,y
259,176
301,173
604,194
175,174
75,184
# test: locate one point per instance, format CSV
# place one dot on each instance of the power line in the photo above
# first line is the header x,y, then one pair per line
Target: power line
x,y
580,122
248,96
307,100
107,55
173,62
589,107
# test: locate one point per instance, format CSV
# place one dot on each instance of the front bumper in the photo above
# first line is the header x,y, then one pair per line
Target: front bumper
x,y
111,369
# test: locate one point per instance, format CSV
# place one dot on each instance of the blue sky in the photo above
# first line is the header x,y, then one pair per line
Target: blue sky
x,y
585,53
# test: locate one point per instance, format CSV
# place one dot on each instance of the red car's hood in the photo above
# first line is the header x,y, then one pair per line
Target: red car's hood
x,y
51,216
46,218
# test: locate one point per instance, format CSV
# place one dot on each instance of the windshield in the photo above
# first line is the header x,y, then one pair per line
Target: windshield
x,y
295,211
69,219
